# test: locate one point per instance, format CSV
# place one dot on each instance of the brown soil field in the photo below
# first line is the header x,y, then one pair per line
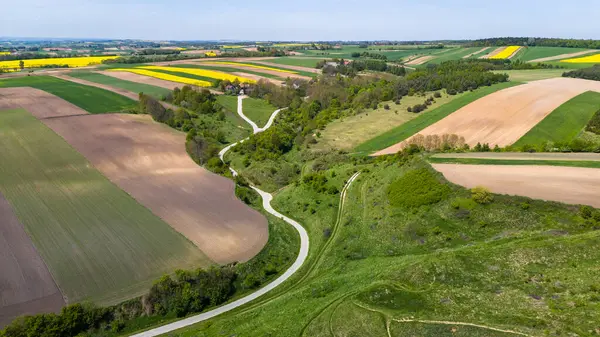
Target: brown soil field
x,y
505,116
123,75
523,156
564,56
572,185
39,103
493,53
258,78
26,285
149,161
420,60
477,52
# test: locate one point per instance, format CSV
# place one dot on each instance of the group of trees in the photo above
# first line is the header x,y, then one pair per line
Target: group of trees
x,y
592,73
369,55
536,41
340,66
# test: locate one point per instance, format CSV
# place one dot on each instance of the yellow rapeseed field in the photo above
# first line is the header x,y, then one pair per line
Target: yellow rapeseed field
x,y
202,72
72,62
506,53
4,53
210,54
233,47
587,59
166,77
255,66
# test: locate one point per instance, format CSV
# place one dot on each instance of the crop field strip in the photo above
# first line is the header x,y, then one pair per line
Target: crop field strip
x,y
71,62
165,76
147,89
271,68
426,119
565,122
510,113
99,243
586,59
541,54
208,66
91,99
209,75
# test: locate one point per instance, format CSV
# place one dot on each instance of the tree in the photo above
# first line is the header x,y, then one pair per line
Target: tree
x,y
22,64
481,195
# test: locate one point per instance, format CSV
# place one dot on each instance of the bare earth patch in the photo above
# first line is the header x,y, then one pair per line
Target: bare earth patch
x,y
39,103
26,285
127,76
420,60
493,53
564,56
523,156
505,116
572,185
149,161
477,52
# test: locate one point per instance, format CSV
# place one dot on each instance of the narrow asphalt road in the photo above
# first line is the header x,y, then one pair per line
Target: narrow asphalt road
x,y
266,197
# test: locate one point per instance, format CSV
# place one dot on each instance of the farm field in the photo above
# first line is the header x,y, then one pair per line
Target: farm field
x,y
211,66
167,76
142,79
349,132
99,243
591,59
531,75
295,61
459,53
27,285
149,161
530,181
565,123
505,53
71,62
541,54
151,90
404,131
510,113
201,74
93,100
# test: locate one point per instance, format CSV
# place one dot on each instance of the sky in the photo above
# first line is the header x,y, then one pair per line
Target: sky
x,y
301,20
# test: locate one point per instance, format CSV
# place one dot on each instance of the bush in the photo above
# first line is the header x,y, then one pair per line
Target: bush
x,y
437,94
417,188
386,106
481,195
586,212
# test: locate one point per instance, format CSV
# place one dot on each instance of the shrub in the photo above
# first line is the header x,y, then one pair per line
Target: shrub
x,y
481,195
417,188
437,94
386,107
586,212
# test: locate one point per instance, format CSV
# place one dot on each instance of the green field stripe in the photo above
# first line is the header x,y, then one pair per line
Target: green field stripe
x,y
228,70
482,161
151,90
565,122
91,99
182,74
286,70
99,243
426,119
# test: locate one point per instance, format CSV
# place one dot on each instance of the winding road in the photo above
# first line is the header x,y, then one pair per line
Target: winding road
x,y
266,197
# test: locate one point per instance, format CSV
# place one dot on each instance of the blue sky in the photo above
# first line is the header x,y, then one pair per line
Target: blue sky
x,y
301,19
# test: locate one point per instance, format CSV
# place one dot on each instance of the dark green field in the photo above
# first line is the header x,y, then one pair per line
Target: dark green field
x,y
532,53
565,123
151,90
413,126
93,100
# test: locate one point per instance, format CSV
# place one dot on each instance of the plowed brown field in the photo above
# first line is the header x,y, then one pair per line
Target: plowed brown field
x,y
505,116
572,185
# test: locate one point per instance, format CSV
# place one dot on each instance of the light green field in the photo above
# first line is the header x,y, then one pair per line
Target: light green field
x,y
415,125
457,54
296,61
258,110
531,75
99,244
147,89
349,132
532,53
93,100
565,123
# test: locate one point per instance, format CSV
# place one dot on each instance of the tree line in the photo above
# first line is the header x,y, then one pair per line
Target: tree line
x,y
536,41
592,73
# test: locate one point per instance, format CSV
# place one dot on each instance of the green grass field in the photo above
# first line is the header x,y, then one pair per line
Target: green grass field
x,y
531,75
229,70
182,74
413,126
482,161
93,100
274,65
565,123
99,243
295,61
457,54
514,264
151,90
258,110
532,53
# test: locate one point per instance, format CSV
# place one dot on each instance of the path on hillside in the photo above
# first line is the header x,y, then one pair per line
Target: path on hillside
x,y
267,198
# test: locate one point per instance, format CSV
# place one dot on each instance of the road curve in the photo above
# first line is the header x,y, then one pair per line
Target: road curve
x,y
266,197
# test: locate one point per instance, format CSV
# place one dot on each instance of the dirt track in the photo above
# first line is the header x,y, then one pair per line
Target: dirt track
x,y
505,116
523,156
572,185
149,161
564,56
26,285
477,52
